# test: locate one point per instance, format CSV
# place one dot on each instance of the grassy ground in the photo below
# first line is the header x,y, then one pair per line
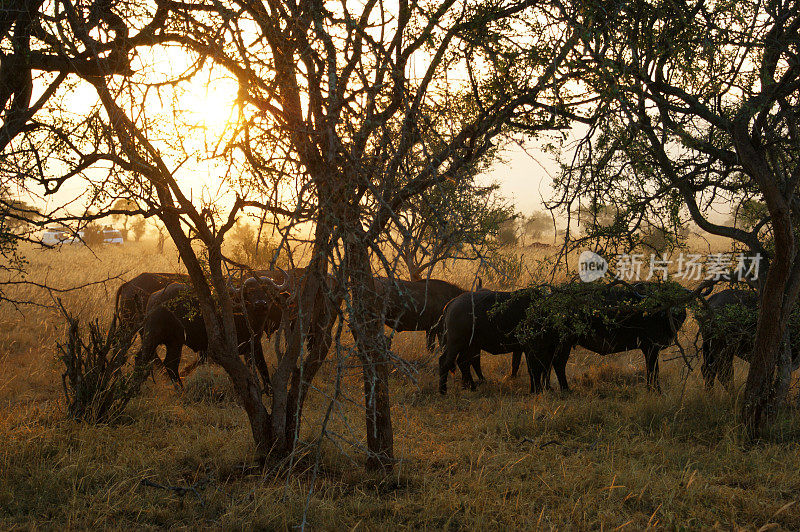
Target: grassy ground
x,y
608,456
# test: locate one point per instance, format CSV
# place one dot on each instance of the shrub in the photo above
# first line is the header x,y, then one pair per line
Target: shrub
x,y
96,387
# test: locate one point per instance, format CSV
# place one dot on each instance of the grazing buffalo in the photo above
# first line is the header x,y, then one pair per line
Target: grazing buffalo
x,y
728,328
131,299
470,327
174,319
416,305
130,304
630,329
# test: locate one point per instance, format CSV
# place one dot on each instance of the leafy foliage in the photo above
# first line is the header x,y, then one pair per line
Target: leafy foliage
x,y
452,219
574,310
734,325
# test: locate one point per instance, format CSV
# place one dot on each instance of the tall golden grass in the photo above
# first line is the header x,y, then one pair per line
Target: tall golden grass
x,y
609,455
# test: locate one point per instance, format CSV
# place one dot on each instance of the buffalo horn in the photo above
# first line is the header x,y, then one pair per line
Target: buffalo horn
x,y
279,287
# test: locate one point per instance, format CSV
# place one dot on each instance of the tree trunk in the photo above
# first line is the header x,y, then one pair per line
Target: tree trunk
x,y
783,375
248,391
378,413
774,307
758,391
311,323
367,329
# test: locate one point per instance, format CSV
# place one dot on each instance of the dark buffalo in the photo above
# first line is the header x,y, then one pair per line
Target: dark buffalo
x,y
416,305
721,341
631,329
174,319
470,327
474,330
130,303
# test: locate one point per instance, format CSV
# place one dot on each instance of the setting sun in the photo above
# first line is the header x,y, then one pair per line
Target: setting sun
x,y
211,104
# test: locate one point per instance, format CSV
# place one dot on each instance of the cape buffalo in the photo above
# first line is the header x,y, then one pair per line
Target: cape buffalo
x,y
174,319
416,305
470,327
474,328
636,329
130,303
721,341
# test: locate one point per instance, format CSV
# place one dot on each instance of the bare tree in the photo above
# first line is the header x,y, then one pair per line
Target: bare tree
x,y
334,91
42,146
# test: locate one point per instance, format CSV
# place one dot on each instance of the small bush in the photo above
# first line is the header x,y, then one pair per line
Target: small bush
x,y
247,247
95,385
583,309
207,385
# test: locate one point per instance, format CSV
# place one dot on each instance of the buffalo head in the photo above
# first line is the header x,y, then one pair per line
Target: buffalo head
x,y
260,294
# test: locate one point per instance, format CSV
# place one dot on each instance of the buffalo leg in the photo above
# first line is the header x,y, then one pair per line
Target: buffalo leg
x,y
560,366
724,369
545,378
516,360
536,369
147,356
430,340
476,365
651,360
446,362
465,359
172,361
140,362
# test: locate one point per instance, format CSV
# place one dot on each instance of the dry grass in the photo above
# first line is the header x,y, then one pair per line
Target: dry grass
x,y
607,455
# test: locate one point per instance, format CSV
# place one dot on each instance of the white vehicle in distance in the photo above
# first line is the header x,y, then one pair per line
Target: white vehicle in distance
x,y
53,236
112,236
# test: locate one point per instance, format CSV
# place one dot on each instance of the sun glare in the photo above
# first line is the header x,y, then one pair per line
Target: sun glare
x,y
211,104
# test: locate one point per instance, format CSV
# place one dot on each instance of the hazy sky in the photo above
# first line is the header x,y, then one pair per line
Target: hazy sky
x,y
525,176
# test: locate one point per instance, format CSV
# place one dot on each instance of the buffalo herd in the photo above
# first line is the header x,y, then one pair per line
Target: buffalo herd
x,y
163,309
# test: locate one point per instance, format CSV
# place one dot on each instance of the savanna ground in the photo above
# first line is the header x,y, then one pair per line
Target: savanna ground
x,y
608,456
